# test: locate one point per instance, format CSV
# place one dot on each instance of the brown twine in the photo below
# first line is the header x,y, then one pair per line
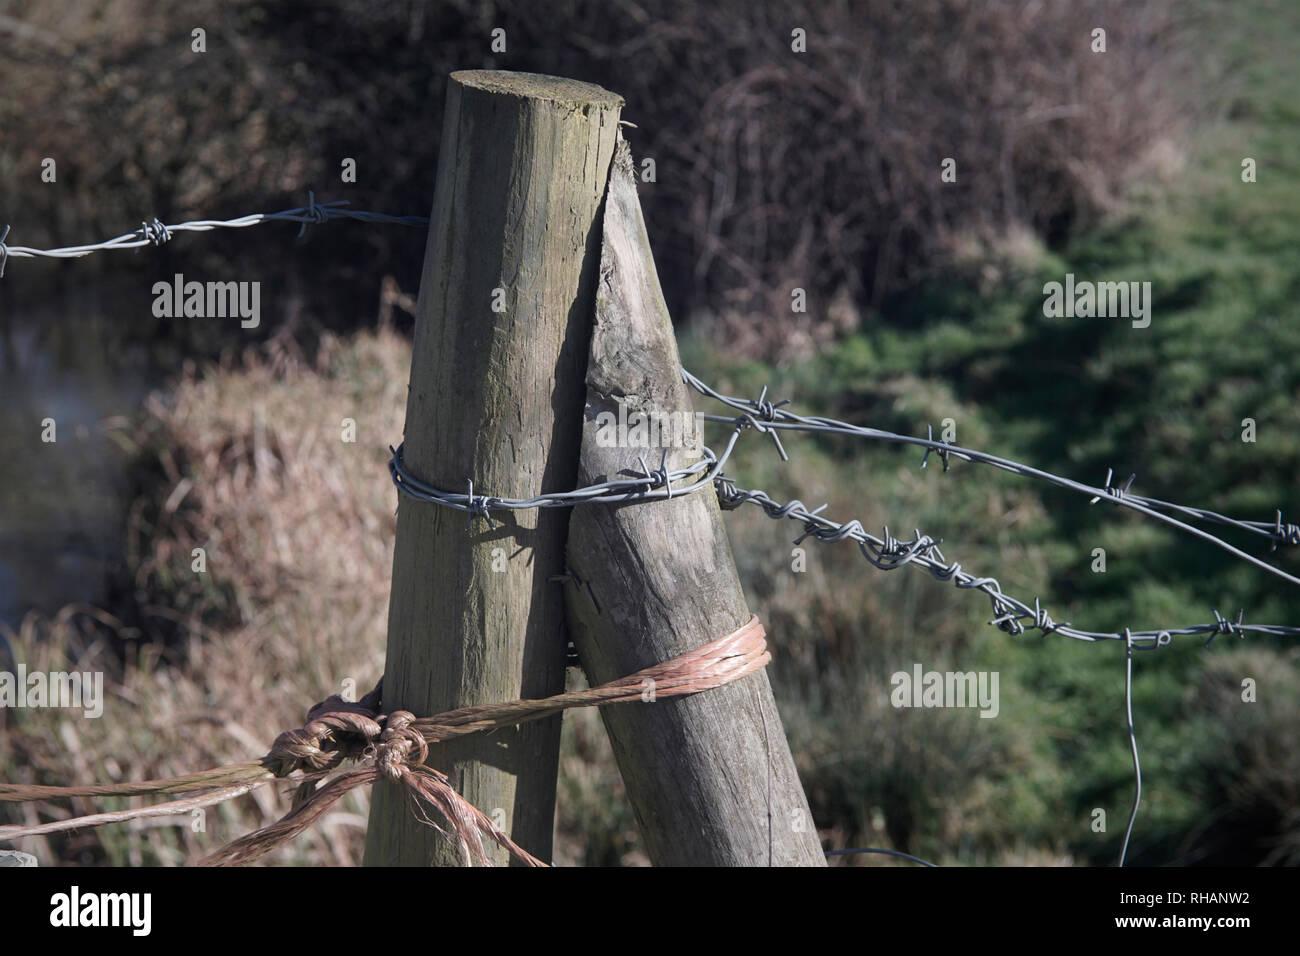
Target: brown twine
x,y
394,747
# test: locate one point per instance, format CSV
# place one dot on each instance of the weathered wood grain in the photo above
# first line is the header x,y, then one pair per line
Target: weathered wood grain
x,y
710,776
496,397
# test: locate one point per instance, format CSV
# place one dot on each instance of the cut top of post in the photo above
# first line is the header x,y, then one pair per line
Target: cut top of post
x,y
535,86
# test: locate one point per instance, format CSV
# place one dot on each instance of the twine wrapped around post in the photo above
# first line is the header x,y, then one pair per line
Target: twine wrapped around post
x,y
394,747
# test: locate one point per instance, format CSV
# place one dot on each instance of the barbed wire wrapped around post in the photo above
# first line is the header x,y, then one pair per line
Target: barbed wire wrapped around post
x,y
650,485
762,415
397,744
1010,614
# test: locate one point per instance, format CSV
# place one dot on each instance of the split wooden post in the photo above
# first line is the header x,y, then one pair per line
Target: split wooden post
x,y
496,396
710,776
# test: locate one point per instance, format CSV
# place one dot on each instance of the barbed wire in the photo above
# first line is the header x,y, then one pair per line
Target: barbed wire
x,y
889,553
651,485
762,415
884,852
1129,647
155,233
1010,614
771,418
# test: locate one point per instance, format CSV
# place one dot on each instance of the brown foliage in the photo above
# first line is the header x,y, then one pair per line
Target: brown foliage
x,y
775,169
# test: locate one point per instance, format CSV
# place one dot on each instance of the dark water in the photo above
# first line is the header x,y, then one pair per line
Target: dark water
x,y
81,346
63,504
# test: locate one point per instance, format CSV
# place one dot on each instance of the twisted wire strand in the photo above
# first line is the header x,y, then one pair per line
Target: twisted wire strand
x,y
883,852
155,233
1133,743
766,417
771,418
395,746
1010,614
652,485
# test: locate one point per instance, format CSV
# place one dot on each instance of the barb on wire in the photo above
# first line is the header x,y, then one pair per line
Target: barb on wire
x,y
649,486
943,455
155,233
659,476
766,412
776,418
1009,613
316,213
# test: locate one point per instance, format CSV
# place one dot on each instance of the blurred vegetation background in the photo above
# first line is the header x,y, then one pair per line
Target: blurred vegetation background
x,y
775,170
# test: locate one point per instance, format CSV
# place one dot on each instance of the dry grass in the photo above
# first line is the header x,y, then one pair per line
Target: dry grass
x,y
298,528
298,525
775,169
929,782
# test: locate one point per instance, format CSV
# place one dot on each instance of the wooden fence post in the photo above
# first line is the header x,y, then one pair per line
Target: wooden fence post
x,y
710,776
496,396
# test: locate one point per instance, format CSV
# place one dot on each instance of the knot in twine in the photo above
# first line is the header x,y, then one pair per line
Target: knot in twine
x,y
336,730
394,747
396,743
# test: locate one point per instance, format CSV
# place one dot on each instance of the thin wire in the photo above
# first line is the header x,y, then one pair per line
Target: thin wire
x,y
155,233
1133,743
872,849
1010,614
770,418
651,485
